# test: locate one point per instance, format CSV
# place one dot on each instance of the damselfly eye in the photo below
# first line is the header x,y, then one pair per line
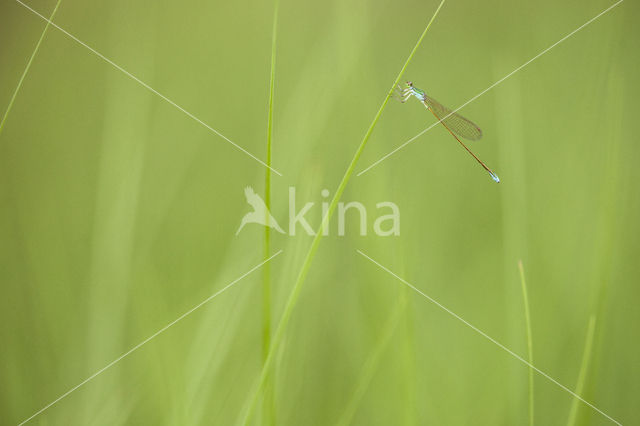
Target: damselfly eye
x,y
409,84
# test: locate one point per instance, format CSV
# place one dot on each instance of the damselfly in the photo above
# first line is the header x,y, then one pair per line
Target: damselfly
x,y
454,123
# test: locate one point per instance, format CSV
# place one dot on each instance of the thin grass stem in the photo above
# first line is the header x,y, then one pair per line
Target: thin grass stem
x,y
527,315
26,69
410,362
295,292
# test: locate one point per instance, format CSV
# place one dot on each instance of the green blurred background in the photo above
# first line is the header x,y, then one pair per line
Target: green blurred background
x,y
118,213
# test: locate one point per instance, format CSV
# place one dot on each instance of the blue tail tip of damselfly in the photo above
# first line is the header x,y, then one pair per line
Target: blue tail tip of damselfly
x,y
494,177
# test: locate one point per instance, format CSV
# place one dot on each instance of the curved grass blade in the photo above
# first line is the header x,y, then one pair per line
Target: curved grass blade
x,y
302,275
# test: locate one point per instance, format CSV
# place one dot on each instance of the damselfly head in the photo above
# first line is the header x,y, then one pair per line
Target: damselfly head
x,y
409,84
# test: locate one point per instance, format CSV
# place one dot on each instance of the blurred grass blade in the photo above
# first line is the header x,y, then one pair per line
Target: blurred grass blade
x,y
269,409
527,315
584,367
295,292
26,69
372,362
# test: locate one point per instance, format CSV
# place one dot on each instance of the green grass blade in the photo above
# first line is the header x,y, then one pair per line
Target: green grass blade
x,y
373,360
527,314
295,292
409,351
26,69
582,376
269,409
